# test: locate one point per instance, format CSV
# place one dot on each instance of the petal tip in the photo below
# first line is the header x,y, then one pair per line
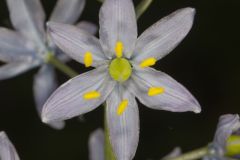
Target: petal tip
x,y
190,10
45,119
197,110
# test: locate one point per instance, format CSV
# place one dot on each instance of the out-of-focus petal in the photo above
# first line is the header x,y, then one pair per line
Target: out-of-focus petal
x,y
28,17
226,126
174,153
214,157
44,84
68,101
117,23
164,35
13,69
67,11
58,125
75,42
175,97
88,27
96,145
7,150
124,127
14,47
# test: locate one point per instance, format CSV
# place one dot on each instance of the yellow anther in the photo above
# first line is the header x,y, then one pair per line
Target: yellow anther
x,y
148,62
153,91
122,107
88,59
119,49
91,95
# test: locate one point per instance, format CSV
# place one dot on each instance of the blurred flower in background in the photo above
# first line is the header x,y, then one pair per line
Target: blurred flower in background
x,y
221,146
7,150
29,46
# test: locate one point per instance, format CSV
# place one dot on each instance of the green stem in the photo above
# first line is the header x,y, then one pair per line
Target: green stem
x,y
142,7
109,155
192,155
51,59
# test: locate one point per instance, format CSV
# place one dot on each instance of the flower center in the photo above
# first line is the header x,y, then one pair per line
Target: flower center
x,y
120,69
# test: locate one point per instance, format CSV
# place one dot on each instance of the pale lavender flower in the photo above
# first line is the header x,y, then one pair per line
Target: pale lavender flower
x,y
227,125
28,46
7,150
122,71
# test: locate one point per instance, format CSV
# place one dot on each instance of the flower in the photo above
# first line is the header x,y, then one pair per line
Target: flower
x,y
7,150
96,147
122,72
28,46
227,125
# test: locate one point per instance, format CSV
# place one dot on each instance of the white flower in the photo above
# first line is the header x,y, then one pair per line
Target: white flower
x,y
122,71
7,150
28,46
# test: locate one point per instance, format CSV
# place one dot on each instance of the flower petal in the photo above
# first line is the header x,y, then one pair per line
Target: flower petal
x,y
117,23
67,11
44,84
28,18
76,42
175,97
124,128
13,69
162,37
68,100
96,145
174,153
88,27
227,124
7,150
14,47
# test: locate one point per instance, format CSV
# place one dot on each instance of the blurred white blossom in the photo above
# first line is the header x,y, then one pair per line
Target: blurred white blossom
x,y
28,46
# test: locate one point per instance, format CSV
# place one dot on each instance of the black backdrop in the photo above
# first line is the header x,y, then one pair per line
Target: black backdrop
x,y
206,62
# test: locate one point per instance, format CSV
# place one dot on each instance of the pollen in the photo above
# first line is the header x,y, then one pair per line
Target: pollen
x,y
88,59
91,95
122,107
148,62
119,49
153,91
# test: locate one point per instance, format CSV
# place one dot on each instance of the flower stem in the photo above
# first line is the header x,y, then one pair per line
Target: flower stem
x,y
51,59
109,155
142,7
192,155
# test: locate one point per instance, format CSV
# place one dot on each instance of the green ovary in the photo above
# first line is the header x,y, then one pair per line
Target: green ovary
x,y
233,145
120,69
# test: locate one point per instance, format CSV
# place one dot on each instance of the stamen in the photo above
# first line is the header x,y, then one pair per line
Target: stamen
x,y
88,59
148,62
119,49
91,95
153,91
122,107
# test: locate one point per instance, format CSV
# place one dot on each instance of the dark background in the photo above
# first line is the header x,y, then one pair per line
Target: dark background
x,y
206,62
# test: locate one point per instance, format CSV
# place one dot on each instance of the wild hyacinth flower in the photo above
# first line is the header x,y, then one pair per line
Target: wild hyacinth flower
x,y
29,46
122,72
7,150
227,125
96,147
